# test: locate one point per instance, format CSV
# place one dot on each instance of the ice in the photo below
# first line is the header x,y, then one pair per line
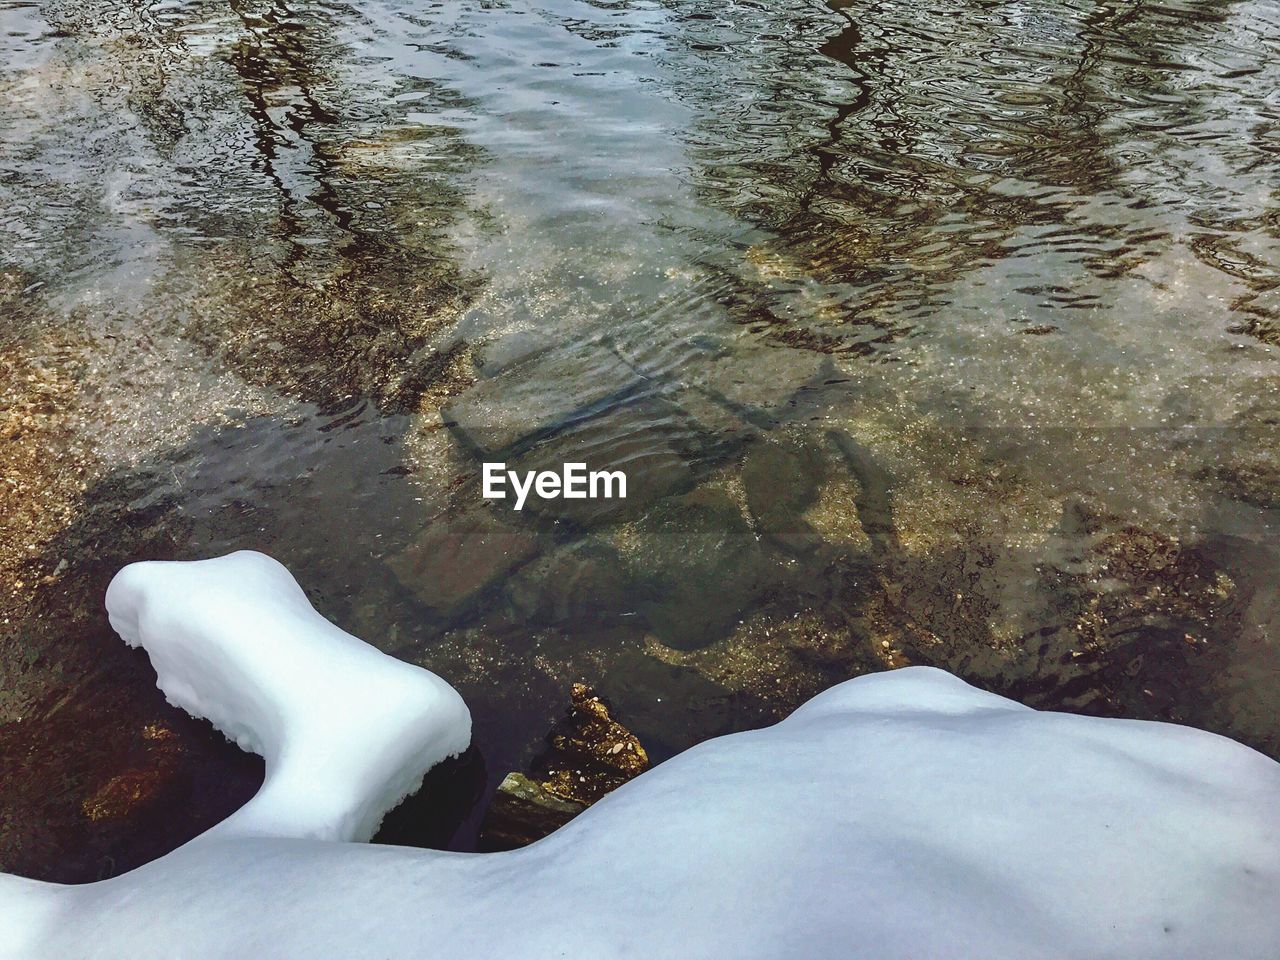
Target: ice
x,y
898,815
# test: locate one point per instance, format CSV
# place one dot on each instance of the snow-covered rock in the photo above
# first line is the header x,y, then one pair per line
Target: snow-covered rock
x,y
898,815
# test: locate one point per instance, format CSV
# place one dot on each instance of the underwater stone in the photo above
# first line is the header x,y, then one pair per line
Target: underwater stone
x,y
495,356
723,427
541,396
647,440
781,479
574,587
730,390
451,564
697,566
760,382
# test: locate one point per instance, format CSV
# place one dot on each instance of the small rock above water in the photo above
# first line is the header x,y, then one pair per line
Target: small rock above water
x,y
591,752
590,755
522,811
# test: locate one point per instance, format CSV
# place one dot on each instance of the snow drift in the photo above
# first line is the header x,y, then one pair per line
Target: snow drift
x,y
346,731
898,815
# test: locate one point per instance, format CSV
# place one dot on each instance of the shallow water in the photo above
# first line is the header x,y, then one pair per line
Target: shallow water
x,y
927,333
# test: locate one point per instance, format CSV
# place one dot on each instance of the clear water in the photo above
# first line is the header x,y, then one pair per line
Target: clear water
x,y
938,333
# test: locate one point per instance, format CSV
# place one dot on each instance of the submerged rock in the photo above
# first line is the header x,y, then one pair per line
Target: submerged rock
x,y
781,480
731,392
574,587
531,392
495,356
540,396
761,381
452,564
648,440
697,567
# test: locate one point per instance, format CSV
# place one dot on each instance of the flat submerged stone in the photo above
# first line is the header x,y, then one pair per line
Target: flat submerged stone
x,y
451,564
541,396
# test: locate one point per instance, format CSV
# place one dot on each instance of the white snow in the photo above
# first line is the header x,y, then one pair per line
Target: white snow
x,y
346,731
899,815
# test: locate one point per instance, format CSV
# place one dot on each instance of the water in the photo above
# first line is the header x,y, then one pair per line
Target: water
x,y
927,333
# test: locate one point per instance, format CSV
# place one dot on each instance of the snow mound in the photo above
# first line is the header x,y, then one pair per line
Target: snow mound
x,y
346,731
899,815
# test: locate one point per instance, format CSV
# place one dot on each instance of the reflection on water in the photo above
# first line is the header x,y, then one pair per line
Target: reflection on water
x,y
927,333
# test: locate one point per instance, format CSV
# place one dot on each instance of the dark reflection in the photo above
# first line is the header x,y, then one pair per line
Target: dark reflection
x,y
260,193
843,47
362,279
277,62
960,137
